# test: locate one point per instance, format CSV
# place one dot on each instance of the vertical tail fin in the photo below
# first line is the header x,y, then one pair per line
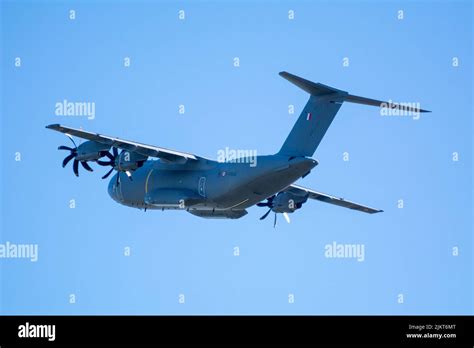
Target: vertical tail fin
x,y
315,119
319,112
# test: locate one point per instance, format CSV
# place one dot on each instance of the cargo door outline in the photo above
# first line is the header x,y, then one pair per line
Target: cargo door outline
x,y
202,186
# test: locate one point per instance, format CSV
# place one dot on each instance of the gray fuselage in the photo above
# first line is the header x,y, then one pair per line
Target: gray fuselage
x,y
203,184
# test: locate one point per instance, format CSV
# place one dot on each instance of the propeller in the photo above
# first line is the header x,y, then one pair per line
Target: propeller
x,y
269,204
73,155
110,162
114,160
285,215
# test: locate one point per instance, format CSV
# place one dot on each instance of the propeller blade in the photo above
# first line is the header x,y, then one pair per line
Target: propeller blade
x,y
86,166
67,159
266,204
62,147
108,173
110,157
266,214
129,175
115,151
287,217
70,137
105,163
275,221
75,167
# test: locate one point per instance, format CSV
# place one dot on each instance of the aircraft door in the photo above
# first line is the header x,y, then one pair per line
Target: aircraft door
x,y
202,186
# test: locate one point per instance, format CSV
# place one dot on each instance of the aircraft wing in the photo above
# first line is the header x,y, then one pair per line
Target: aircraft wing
x,y
331,199
147,150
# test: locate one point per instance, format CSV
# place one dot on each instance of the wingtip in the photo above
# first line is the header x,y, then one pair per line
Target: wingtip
x,y
51,126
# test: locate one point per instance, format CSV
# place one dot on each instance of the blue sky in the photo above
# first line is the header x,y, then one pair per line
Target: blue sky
x,y
190,62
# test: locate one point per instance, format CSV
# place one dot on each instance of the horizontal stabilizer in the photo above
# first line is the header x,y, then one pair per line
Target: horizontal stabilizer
x,y
312,88
367,101
318,89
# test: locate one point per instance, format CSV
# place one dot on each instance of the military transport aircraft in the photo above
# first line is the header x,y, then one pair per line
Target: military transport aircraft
x,y
215,189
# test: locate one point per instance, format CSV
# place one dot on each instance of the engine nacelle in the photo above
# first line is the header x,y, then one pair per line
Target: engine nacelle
x,y
91,151
129,161
287,202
